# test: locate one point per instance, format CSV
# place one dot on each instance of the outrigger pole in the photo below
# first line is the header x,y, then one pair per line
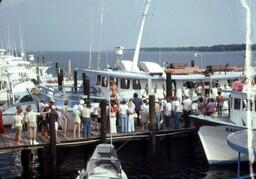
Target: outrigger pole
x,y
137,49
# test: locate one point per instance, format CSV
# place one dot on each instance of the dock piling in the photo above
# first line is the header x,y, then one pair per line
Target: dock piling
x,y
60,79
75,81
103,112
26,161
53,148
168,85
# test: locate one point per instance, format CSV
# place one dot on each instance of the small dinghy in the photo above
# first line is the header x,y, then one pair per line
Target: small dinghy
x,y
104,163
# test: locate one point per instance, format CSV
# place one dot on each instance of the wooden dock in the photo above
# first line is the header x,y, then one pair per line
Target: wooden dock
x,y
8,143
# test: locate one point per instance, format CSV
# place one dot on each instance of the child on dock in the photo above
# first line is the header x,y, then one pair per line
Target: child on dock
x,y
31,118
17,122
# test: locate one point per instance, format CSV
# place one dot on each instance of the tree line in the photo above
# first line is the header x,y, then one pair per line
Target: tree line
x,y
214,48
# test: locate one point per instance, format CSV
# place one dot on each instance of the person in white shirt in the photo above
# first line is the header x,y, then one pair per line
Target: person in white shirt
x,y
123,110
86,120
31,118
177,109
131,113
187,108
167,111
144,114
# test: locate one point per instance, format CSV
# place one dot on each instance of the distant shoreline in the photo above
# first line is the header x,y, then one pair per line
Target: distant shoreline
x,y
214,48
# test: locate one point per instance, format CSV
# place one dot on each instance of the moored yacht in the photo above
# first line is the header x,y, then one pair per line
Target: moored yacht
x,y
213,131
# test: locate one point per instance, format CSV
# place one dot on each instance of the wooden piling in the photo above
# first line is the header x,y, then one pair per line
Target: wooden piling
x,y
84,83
168,85
87,88
56,68
60,79
26,161
152,117
103,128
53,149
75,81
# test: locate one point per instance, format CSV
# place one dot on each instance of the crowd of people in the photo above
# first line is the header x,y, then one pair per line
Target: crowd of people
x,y
124,116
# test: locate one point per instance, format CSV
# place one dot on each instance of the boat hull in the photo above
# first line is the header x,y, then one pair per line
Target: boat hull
x,y
214,141
213,134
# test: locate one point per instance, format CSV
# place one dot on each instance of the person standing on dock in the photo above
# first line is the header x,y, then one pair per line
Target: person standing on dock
x,y
45,121
167,112
65,116
138,102
86,120
177,109
123,110
31,117
77,120
187,109
131,112
158,114
112,116
1,120
17,122
144,114
53,115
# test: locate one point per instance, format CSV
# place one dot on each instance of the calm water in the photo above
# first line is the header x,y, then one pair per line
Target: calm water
x,y
81,59
10,164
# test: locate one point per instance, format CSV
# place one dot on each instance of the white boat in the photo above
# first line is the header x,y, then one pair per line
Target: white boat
x,y
104,163
213,131
144,77
18,75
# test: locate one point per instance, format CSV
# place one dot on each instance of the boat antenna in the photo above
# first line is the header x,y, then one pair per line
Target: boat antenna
x,y
90,50
22,51
137,49
100,38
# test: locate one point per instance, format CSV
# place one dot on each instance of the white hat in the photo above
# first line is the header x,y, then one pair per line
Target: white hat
x,y
81,101
53,107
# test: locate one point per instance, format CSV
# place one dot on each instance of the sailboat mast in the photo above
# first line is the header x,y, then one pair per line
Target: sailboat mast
x,y
137,49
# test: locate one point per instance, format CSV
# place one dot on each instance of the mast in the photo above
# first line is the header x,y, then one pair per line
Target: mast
x,y
137,49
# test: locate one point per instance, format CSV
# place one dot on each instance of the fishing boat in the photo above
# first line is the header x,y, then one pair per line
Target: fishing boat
x,y
127,77
213,131
104,163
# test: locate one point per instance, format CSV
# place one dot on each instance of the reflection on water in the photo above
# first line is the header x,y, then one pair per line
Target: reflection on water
x,y
10,167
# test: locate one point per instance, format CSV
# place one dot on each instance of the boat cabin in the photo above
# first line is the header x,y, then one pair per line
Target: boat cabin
x,y
240,104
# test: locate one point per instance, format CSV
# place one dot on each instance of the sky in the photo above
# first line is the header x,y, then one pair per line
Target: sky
x,y
62,25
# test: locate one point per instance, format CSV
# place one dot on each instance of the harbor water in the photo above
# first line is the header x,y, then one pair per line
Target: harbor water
x,y
10,164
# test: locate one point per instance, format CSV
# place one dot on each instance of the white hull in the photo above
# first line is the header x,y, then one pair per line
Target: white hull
x,y
214,141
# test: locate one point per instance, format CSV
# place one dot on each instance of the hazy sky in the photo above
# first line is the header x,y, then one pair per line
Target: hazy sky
x,y
66,24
